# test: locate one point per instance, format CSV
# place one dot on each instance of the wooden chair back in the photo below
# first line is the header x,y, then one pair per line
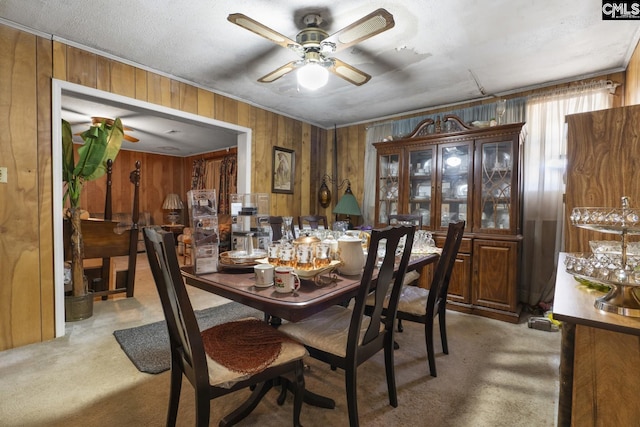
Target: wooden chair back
x,y
187,348
385,279
440,284
276,227
313,221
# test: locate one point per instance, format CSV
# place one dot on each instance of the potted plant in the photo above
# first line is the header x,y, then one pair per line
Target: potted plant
x,y
101,143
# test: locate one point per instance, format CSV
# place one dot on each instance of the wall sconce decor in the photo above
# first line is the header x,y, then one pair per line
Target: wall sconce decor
x,y
173,204
324,194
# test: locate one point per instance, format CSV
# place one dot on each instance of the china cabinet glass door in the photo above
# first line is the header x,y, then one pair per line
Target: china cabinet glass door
x,y
454,183
497,179
422,167
388,177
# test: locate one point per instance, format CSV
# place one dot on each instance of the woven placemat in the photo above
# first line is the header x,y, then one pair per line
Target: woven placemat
x,y
147,346
245,346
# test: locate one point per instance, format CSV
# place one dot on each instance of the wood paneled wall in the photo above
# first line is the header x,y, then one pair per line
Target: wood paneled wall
x,y
632,84
26,289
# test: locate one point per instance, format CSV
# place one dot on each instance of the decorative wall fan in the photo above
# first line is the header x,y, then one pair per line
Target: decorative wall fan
x,y
313,44
97,121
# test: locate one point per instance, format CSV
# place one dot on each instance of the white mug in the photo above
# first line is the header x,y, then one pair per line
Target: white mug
x,y
264,274
286,279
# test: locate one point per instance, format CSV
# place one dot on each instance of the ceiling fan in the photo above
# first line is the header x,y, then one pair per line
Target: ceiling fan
x,y
97,121
313,44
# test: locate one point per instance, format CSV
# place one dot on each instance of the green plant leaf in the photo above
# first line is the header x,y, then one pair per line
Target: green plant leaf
x,y
115,135
92,152
67,152
101,143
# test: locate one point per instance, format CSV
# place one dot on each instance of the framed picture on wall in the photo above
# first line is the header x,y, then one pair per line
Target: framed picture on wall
x,y
283,170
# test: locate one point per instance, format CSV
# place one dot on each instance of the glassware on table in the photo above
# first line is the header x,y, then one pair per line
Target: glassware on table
x,y
304,257
341,226
273,253
287,255
322,255
287,228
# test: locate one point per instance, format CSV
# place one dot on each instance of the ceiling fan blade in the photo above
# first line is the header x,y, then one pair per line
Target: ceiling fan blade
x,y
368,26
349,73
276,74
262,30
97,121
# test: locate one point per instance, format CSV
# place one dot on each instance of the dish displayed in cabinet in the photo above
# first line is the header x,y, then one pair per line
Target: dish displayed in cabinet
x,y
423,190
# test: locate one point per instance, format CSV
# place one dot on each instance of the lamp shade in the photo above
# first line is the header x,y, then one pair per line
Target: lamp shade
x,y
348,205
172,202
312,76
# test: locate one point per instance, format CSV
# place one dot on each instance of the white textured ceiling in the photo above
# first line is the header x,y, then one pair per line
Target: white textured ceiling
x,y
439,52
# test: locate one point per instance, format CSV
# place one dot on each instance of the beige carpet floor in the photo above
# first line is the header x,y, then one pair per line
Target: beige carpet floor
x,y
496,374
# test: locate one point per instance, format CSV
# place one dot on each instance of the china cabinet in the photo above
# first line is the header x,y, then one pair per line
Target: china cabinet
x,y
447,171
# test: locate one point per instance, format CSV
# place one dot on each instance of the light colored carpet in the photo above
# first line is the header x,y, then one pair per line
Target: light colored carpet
x,y
497,374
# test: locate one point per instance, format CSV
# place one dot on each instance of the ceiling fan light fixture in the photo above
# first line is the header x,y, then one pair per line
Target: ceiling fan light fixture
x,y
312,76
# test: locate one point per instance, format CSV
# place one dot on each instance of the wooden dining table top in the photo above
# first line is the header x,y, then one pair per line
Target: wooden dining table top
x,y
239,285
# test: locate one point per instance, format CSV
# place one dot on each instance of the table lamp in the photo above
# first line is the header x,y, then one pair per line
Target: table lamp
x,y
173,204
348,205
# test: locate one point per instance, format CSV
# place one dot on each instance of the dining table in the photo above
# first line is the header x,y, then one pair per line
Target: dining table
x,y
238,284
313,296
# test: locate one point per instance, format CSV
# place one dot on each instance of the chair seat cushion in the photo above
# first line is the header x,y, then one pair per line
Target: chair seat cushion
x,y
413,300
327,331
246,344
409,277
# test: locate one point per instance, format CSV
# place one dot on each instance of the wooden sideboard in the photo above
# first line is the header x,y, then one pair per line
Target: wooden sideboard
x,y
600,359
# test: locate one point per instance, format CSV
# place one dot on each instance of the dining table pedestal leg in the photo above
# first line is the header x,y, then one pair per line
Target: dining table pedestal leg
x,y
309,397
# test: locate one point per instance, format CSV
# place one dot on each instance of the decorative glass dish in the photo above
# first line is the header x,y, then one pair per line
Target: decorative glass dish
x,y
616,265
242,258
613,247
310,274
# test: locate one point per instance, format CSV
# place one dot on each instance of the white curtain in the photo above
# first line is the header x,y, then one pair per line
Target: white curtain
x,y
545,152
375,133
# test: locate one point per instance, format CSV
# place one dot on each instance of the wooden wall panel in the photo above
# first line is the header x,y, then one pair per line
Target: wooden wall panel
x,y
142,85
188,98
159,176
603,153
123,79
81,67
103,74
20,288
45,186
632,81
606,378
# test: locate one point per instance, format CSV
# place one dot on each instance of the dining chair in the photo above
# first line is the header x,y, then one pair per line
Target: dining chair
x,y
411,277
344,337
312,221
224,358
276,227
421,305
